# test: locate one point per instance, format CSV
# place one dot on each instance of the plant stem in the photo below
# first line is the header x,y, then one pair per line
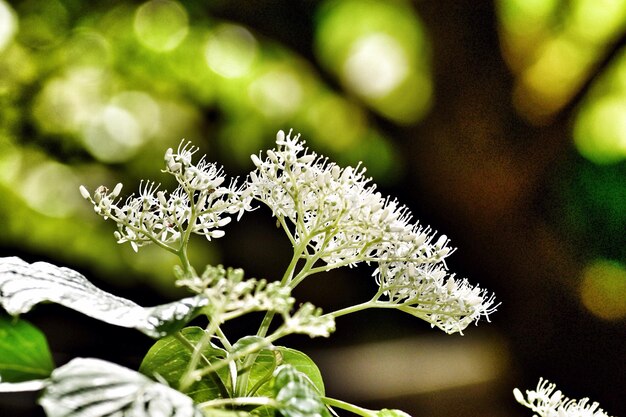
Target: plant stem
x,y
358,307
265,324
269,316
304,272
252,348
239,401
184,258
187,378
214,376
184,239
287,276
349,407
223,339
149,236
297,254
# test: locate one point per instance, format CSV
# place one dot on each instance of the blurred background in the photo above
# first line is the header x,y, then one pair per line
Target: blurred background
x,y
501,124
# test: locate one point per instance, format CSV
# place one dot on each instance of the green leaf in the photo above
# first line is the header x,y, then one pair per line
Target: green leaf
x,y
268,360
246,341
296,394
262,372
168,359
24,352
93,387
24,285
303,363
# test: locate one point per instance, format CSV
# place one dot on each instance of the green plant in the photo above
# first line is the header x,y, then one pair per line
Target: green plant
x,y
333,217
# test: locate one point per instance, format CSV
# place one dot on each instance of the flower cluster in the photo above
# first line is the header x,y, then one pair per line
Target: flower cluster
x,y
336,212
333,216
200,204
309,320
430,293
546,402
231,296
336,215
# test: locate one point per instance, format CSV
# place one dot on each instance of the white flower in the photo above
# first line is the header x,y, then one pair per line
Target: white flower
x,y
427,291
337,212
546,402
200,204
336,215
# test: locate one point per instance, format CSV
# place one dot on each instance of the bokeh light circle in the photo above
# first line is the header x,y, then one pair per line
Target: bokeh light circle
x,y
67,102
8,25
600,130
603,289
114,135
161,25
230,51
380,52
376,64
50,188
144,109
277,93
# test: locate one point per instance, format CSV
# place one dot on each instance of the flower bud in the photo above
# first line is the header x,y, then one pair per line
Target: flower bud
x,y
474,300
117,190
174,166
280,137
451,285
419,240
217,182
84,192
272,156
307,159
162,199
441,242
223,222
217,233
256,160
347,173
202,200
442,253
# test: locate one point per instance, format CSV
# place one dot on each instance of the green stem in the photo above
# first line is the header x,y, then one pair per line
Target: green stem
x,y
238,401
265,324
184,259
187,379
223,338
373,303
304,272
297,254
269,316
139,231
283,224
214,376
287,276
252,348
349,407
184,239
307,269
